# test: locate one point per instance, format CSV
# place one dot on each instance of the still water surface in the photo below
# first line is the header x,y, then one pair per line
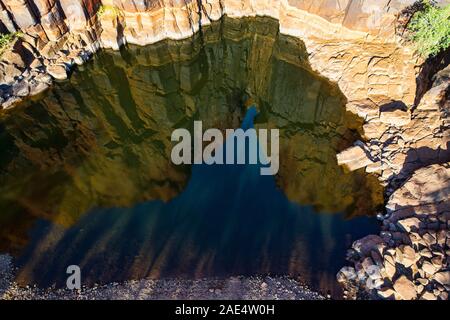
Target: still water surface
x,y
86,176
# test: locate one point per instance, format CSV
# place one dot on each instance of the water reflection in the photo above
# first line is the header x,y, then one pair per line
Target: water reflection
x,y
240,224
102,140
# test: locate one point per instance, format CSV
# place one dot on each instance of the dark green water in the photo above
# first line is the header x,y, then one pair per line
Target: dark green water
x,y
86,176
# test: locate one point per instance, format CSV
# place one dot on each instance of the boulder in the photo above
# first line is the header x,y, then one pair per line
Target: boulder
x,y
429,268
432,98
408,256
38,87
8,73
44,78
437,261
386,293
423,281
405,288
368,265
35,64
389,269
429,239
426,253
420,288
374,130
441,237
58,72
21,89
365,245
429,185
428,296
346,274
443,296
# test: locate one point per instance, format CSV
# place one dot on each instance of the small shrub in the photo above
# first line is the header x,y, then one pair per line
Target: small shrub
x,y
108,10
430,29
7,39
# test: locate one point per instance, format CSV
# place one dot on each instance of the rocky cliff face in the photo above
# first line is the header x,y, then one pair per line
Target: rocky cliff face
x,y
351,42
411,257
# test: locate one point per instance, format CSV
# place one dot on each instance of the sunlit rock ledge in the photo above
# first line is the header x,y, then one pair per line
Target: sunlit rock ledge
x,y
352,43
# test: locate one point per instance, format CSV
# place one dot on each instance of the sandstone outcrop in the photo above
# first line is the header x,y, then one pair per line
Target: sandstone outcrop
x,y
410,259
113,120
353,43
413,154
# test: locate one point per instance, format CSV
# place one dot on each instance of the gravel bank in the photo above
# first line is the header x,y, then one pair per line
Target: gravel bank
x,y
235,288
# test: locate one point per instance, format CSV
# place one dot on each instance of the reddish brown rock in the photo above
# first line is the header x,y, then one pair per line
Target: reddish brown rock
x,y
405,288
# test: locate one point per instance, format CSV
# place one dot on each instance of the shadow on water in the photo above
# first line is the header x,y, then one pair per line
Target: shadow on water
x,y
86,176
240,224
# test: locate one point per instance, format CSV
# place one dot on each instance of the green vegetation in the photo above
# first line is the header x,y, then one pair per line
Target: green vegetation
x,y
108,10
7,39
430,29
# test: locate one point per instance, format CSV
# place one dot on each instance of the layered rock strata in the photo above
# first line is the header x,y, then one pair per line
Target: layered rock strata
x,y
351,42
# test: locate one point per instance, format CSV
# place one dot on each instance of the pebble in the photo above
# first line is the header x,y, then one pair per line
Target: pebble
x,y
247,288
